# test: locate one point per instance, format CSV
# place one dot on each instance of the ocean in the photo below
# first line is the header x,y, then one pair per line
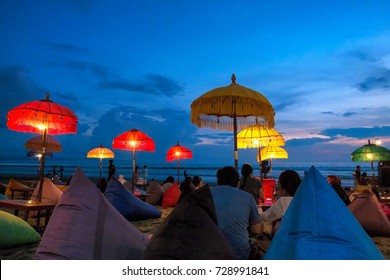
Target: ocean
x,y
159,171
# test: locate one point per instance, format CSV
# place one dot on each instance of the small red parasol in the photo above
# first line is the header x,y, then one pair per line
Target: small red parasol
x,y
133,140
178,152
43,117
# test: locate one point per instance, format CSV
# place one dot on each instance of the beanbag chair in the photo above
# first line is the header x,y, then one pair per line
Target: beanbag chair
x,y
14,184
155,193
171,196
190,232
132,208
14,231
318,226
50,192
85,226
370,215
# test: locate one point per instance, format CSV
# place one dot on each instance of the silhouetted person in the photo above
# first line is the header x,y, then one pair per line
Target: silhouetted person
x,y
111,170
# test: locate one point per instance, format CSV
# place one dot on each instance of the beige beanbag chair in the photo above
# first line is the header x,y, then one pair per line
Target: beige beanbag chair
x,y
370,215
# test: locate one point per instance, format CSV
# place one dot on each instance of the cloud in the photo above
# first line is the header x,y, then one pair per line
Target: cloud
x,y
358,132
153,84
16,87
376,82
66,48
349,114
83,66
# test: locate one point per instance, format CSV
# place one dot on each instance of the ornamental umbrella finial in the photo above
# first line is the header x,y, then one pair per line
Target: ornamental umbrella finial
x,y
233,79
47,96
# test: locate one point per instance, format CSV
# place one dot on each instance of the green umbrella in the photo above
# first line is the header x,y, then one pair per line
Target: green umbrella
x,y
371,153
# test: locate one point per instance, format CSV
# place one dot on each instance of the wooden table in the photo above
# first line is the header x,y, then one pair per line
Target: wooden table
x,y
27,206
26,192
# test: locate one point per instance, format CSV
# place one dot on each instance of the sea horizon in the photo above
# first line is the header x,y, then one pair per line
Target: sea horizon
x,y
17,167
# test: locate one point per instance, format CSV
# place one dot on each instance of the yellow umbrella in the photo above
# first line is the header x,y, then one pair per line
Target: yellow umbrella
x,y
271,152
257,136
231,108
100,153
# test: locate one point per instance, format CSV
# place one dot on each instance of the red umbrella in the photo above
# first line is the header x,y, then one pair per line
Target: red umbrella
x,y
133,140
178,152
43,117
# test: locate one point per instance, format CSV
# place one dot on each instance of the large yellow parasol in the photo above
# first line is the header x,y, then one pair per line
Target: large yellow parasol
x,y
271,152
258,136
231,108
100,153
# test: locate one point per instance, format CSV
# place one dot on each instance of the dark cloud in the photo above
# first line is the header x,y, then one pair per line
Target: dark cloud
x,y
328,113
346,114
16,87
361,55
377,82
349,114
359,132
83,66
305,142
66,48
153,84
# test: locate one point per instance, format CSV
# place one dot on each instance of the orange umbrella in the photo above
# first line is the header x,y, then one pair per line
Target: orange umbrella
x,y
232,108
133,140
43,117
178,152
100,153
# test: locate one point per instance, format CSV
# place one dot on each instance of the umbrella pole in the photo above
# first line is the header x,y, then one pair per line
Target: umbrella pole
x,y
235,137
100,165
133,177
261,174
178,170
270,167
42,167
373,171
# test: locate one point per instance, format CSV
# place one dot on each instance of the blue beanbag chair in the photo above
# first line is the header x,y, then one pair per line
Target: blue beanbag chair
x,y
318,226
132,208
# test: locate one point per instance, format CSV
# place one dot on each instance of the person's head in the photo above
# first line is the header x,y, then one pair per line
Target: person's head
x,y
358,167
110,161
288,183
145,166
169,179
121,177
364,174
197,180
228,176
246,170
334,180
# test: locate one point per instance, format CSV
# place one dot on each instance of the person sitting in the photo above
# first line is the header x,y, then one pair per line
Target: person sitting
x,y
186,188
236,211
364,179
121,179
167,183
288,183
197,181
250,184
335,182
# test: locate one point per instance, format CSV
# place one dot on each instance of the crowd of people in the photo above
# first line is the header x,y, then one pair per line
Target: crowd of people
x,y
239,200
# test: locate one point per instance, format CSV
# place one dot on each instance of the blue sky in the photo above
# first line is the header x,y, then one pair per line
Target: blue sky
x,y
323,65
